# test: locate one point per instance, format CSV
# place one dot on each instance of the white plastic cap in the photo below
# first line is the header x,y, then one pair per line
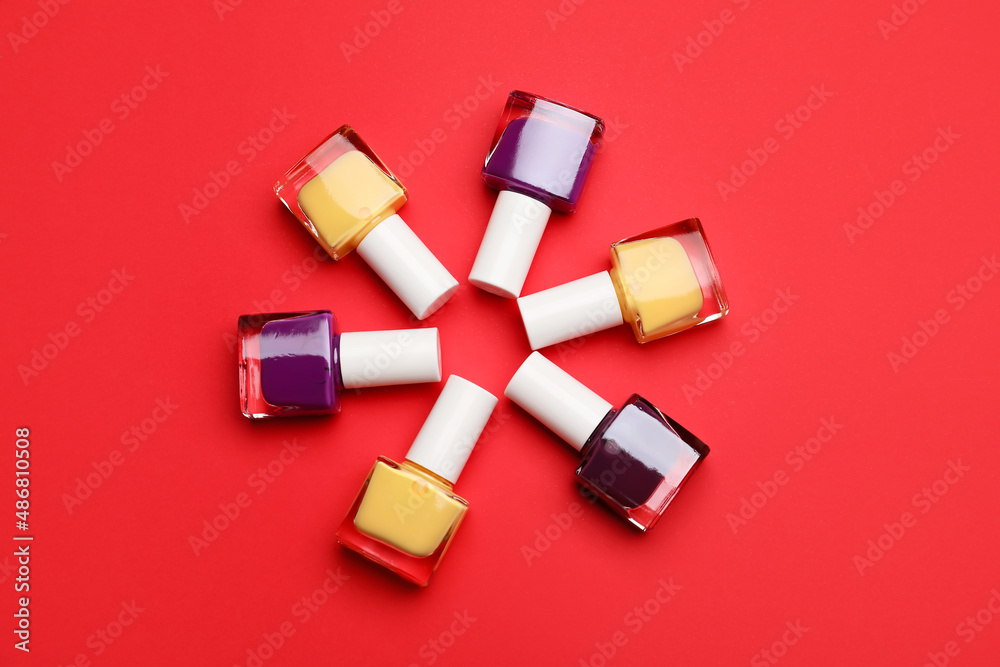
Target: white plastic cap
x,y
452,428
407,266
555,398
509,245
571,310
382,358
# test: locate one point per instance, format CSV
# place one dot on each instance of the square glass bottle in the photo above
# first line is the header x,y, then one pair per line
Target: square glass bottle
x,y
340,190
406,514
298,364
539,160
666,280
404,519
635,459
661,282
347,199
543,149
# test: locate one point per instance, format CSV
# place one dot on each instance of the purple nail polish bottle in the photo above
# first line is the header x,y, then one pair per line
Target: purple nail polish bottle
x,y
543,149
539,160
294,364
635,459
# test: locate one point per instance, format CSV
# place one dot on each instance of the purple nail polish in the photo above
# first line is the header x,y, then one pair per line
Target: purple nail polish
x,y
294,364
297,362
539,160
543,160
635,459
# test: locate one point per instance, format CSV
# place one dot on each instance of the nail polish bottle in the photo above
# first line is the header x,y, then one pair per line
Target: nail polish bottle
x,y
539,160
346,197
635,458
406,514
294,364
660,282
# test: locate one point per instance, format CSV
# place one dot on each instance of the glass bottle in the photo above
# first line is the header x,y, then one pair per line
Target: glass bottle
x,y
635,458
539,160
660,282
294,364
406,514
347,199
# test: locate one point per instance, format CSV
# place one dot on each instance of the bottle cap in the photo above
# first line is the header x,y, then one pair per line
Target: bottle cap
x,y
382,358
555,398
452,428
571,310
509,245
407,266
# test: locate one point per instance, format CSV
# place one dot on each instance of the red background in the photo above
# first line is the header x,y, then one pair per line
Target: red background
x,y
680,130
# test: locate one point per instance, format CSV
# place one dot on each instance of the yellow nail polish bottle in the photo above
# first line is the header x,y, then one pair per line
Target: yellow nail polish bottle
x,y
660,282
406,514
346,197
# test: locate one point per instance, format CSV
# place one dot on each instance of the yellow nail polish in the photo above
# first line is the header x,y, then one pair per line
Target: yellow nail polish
x,y
406,514
660,282
347,199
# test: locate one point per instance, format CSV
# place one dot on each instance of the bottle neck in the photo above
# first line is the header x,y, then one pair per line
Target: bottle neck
x,y
426,473
338,377
598,432
621,290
